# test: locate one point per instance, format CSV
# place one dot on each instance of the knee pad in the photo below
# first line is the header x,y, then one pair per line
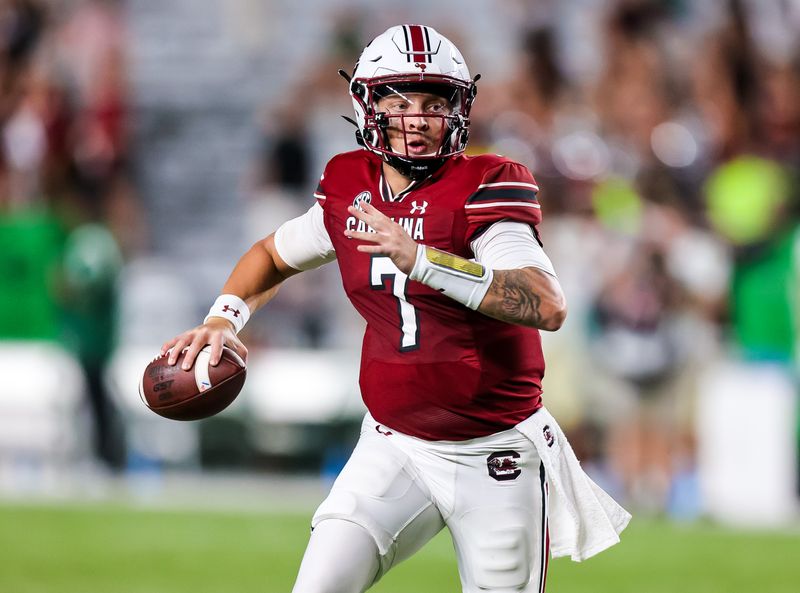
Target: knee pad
x,y
341,557
496,549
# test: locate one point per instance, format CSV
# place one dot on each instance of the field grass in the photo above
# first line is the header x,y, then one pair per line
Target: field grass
x,y
116,549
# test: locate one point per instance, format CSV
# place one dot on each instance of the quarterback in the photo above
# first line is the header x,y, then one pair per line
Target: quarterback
x,y
440,253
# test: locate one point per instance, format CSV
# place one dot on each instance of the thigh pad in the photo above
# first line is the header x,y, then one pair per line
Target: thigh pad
x,y
378,490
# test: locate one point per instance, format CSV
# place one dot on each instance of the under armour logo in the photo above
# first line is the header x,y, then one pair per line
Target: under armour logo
x,y
417,208
228,308
420,66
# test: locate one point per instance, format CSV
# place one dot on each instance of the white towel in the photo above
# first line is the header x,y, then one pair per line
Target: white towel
x,y
584,519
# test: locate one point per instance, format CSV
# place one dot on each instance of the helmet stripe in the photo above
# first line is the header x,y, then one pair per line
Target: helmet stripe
x,y
408,44
418,43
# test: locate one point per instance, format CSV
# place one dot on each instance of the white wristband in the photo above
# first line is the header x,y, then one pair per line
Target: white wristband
x,y
463,280
232,308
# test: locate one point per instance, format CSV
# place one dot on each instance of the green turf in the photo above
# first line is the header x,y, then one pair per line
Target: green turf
x,y
85,549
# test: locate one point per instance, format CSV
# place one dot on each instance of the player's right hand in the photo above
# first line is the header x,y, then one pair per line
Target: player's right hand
x,y
217,332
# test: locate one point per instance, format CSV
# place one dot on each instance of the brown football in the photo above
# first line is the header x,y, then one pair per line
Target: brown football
x,y
200,392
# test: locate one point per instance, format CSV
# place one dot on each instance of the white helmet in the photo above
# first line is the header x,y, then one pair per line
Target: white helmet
x,y
408,58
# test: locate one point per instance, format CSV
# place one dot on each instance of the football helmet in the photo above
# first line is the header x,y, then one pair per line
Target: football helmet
x,y
411,58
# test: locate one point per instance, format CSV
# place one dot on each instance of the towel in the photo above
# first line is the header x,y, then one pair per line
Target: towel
x,y
584,519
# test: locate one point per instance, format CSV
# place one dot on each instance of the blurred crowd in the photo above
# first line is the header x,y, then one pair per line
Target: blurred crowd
x,y
64,114
68,215
664,135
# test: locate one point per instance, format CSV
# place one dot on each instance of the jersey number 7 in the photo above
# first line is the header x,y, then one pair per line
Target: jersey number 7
x,y
384,275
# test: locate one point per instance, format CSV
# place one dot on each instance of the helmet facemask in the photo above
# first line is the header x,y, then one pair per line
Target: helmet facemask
x,y
378,123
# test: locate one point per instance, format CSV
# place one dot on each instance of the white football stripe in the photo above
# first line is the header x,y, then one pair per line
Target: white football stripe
x,y
319,196
493,204
510,184
237,358
141,391
201,376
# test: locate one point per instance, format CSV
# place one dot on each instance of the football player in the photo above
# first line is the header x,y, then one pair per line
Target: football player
x,y
440,253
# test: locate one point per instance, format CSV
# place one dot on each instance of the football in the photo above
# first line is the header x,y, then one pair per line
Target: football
x,y
200,392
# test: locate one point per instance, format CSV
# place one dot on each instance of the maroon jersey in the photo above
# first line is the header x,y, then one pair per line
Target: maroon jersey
x,y
431,367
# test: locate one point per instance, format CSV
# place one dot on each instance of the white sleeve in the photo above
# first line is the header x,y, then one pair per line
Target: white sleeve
x,y
303,242
508,245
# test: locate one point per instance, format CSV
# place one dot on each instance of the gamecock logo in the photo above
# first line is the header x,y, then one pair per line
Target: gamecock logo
x,y
503,465
548,435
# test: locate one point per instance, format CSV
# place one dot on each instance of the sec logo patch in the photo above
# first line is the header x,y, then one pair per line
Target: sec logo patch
x,y
364,196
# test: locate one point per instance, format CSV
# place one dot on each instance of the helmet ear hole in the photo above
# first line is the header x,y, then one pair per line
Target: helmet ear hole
x,y
359,90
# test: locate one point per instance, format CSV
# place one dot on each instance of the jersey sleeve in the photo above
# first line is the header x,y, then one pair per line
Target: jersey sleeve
x,y
303,242
319,193
505,192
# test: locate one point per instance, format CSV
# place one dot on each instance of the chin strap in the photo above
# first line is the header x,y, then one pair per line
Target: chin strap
x,y
414,170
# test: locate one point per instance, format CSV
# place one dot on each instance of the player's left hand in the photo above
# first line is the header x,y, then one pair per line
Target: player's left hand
x,y
389,237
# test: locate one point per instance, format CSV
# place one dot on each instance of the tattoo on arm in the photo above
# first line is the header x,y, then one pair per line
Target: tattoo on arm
x,y
519,302
524,297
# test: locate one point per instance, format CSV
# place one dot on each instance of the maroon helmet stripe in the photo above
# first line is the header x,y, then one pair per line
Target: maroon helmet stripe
x,y
417,43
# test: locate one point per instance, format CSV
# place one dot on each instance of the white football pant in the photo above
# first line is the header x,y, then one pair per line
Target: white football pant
x,y
396,492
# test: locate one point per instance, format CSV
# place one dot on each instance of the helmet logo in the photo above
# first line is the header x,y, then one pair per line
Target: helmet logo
x,y
364,196
420,65
419,208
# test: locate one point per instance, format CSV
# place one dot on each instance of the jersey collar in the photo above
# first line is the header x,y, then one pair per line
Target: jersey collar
x,y
386,191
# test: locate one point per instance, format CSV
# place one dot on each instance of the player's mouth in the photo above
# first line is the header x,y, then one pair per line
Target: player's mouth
x,y
418,146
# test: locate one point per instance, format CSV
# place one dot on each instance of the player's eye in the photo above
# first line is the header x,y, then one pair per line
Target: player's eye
x,y
397,106
437,108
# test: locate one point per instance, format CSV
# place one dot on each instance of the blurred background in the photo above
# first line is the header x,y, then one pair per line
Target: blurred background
x,y
145,145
